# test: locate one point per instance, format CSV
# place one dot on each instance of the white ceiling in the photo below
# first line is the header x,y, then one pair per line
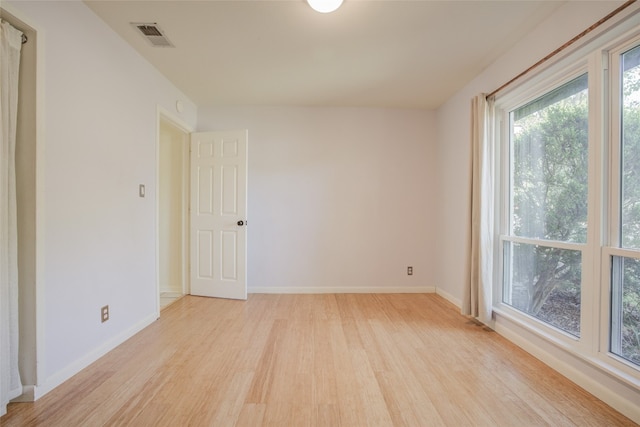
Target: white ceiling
x,y
406,54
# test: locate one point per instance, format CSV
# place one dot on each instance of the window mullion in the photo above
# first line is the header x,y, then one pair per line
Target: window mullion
x,y
612,237
591,320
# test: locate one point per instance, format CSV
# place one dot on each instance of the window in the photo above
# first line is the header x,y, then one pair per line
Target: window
x,y
548,205
625,271
630,135
569,204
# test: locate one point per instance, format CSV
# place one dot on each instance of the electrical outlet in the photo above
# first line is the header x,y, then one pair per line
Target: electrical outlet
x,y
104,312
410,271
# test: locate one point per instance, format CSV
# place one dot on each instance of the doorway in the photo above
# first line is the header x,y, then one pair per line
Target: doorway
x,y
173,207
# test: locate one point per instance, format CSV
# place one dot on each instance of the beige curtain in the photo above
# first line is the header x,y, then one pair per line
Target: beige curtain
x,y
477,298
10,46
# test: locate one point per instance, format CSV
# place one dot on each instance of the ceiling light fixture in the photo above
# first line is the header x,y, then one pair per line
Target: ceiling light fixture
x,y
324,6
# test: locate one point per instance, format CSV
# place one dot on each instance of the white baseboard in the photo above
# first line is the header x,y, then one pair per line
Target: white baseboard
x,y
73,368
28,394
446,295
343,290
170,294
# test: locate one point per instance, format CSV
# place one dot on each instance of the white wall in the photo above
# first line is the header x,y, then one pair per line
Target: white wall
x,y
98,142
454,153
339,199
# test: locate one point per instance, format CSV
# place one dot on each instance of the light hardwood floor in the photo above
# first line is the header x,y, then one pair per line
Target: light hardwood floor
x,y
307,360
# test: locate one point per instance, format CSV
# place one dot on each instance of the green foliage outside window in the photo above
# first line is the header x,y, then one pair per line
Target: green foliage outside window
x,y
549,202
628,340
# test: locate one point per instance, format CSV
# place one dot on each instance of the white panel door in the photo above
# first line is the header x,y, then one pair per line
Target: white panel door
x,y
219,214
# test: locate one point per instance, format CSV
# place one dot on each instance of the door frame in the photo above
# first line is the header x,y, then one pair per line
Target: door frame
x,y
164,115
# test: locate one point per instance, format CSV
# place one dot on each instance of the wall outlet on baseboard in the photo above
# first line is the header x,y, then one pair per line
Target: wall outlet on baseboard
x,y
104,312
410,271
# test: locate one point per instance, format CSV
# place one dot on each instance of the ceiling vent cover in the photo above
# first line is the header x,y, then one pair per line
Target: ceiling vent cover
x,y
153,33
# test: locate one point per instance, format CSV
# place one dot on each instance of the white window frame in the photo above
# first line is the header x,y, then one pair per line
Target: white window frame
x,y
611,245
504,105
600,59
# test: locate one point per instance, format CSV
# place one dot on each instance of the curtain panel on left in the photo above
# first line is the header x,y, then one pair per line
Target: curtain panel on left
x,y
477,298
10,47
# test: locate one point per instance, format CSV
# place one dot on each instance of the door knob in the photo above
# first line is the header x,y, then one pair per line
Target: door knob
x,y
240,223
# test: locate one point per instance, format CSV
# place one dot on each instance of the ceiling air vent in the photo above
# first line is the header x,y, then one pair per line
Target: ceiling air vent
x,y
152,32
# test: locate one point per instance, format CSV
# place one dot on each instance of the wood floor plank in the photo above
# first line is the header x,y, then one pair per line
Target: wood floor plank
x,y
264,378
251,415
324,370
316,360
